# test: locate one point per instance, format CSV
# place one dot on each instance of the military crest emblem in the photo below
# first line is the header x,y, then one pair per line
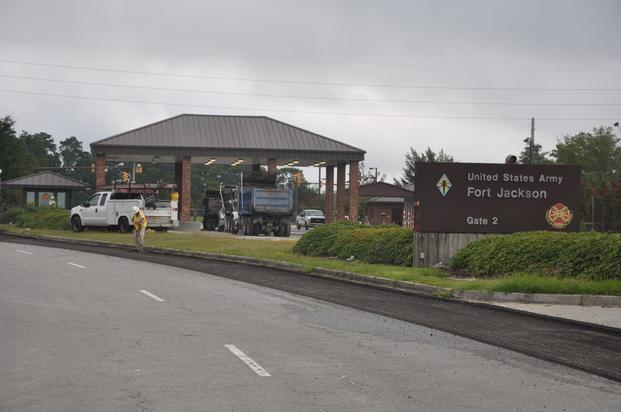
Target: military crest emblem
x,y
444,185
559,216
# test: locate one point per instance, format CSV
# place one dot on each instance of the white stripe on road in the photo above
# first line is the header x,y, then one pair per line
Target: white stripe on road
x,y
248,361
76,265
25,252
151,295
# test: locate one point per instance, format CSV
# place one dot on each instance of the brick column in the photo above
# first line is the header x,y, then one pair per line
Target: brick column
x,y
354,173
329,193
271,166
183,179
340,192
100,170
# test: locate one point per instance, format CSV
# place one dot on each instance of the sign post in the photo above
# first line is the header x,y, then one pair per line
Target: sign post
x,y
457,202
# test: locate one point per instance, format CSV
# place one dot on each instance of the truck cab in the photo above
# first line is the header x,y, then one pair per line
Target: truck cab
x,y
310,218
113,209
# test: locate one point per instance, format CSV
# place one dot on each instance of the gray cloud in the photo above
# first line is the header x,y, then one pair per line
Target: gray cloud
x,y
534,44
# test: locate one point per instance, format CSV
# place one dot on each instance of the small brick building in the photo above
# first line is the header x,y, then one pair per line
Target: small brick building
x,y
388,204
41,188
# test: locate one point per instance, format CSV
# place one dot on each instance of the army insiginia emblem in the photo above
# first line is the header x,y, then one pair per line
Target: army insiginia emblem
x,y
559,216
444,185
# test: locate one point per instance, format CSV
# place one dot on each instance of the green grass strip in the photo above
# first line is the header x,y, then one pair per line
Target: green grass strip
x,y
282,250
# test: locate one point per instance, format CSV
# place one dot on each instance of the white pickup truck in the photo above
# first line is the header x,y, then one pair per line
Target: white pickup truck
x,y
113,209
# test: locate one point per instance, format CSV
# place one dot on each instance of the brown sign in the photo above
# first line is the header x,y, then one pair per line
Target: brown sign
x,y
496,198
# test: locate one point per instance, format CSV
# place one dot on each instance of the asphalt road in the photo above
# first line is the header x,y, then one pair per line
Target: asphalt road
x,y
81,331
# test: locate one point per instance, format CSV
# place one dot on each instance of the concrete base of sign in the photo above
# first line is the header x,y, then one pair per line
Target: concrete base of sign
x,y
438,248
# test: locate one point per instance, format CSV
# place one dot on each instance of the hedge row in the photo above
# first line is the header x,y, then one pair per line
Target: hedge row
x,y
391,244
591,255
37,218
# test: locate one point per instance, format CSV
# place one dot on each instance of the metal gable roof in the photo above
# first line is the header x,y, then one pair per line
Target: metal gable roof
x,y
225,132
45,180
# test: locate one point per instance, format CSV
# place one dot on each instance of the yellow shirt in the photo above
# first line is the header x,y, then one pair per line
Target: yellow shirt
x,y
140,221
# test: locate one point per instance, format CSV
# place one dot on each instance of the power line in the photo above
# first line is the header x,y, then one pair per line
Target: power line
x,y
390,115
289,96
302,82
306,60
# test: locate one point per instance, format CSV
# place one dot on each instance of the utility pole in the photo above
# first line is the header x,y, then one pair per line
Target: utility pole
x,y
532,138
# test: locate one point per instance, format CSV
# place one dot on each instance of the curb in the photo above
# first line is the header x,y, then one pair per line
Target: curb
x,y
365,280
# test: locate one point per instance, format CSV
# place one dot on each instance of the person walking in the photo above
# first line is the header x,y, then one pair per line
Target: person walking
x,y
140,226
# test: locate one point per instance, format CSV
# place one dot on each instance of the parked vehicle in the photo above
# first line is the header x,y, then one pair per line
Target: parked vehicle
x,y
310,218
212,205
266,211
113,209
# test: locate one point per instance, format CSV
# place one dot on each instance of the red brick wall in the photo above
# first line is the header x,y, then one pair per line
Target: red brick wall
x,y
183,178
382,213
100,170
329,193
340,192
271,165
354,173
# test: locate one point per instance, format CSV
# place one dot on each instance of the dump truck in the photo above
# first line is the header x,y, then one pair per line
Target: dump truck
x,y
265,211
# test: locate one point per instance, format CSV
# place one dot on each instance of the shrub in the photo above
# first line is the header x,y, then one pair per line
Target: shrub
x,y
591,255
38,218
390,244
318,241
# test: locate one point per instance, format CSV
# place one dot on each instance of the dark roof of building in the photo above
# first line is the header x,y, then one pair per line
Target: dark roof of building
x,y
383,189
386,200
215,132
45,180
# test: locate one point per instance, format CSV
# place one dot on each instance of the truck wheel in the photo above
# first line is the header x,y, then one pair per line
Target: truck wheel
x,y
124,225
287,230
247,226
76,224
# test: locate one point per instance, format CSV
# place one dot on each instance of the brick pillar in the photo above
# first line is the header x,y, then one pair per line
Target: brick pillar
x,y
183,179
100,170
340,192
354,173
271,166
329,193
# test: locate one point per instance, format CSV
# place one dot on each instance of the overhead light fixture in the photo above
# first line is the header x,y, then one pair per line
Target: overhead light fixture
x,y
315,164
323,162
295,162
290,164
240,160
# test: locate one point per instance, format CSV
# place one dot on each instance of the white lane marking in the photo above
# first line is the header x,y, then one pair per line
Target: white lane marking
x,y
248,361
76,265
151,295
25,252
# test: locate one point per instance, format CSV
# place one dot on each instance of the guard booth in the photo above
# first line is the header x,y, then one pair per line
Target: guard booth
x,y
237,141
40,189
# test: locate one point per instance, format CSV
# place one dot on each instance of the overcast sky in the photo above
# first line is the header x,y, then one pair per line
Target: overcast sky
x,y
380,75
